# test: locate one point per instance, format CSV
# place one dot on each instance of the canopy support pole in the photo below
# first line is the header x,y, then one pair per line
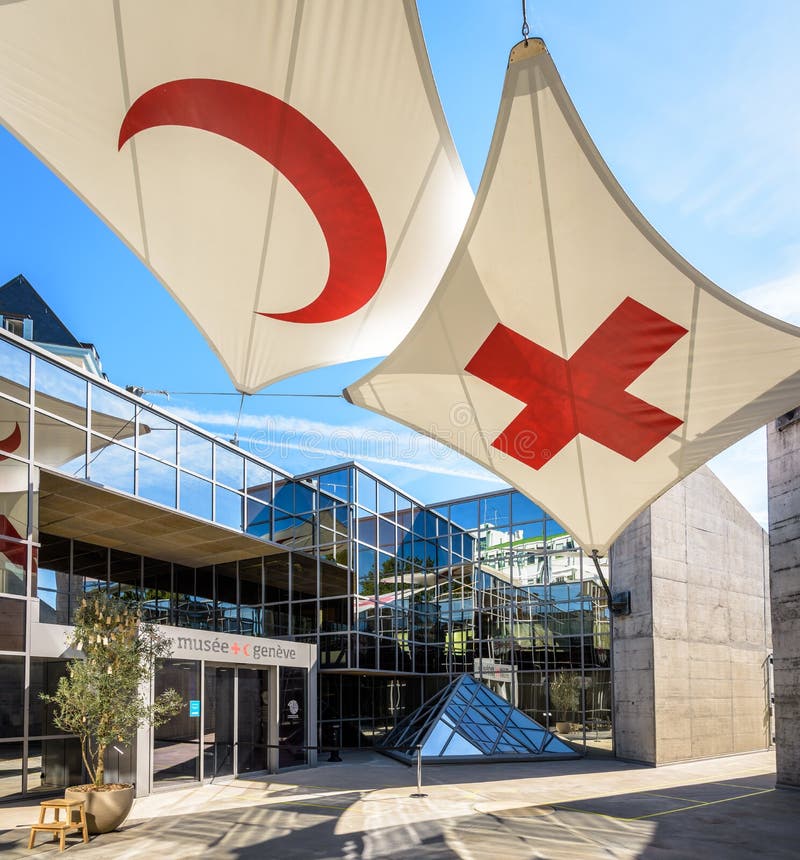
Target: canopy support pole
x,y
619,605
596,560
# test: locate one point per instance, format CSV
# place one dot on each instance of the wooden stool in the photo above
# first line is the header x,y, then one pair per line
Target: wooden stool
x,y
60,828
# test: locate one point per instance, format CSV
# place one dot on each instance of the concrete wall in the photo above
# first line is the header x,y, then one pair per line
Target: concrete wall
x,y
696,565
783,450
632,638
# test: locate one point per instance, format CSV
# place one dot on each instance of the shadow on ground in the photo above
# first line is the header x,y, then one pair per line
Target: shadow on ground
x,y
727,819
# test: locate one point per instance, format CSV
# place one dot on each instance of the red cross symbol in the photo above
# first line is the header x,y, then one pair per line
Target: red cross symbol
x,y
583,394
235,648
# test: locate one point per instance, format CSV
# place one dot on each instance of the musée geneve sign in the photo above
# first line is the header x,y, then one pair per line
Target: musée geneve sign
x,y
230,648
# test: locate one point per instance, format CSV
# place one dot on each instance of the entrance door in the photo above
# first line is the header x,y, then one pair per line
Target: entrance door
x,y
176,743
253,720
293,714
218,721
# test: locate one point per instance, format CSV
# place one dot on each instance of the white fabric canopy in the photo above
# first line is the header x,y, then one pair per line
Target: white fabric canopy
x,y
569,348
283,167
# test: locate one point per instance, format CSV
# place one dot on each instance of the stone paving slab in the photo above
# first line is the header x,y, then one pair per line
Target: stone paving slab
x,y
725,808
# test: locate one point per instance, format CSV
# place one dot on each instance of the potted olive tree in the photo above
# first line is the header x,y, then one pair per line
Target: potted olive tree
x,y
565,696
100,698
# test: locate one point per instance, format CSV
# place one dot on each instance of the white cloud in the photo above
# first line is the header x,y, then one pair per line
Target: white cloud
x,y
779,297
316,440
416,463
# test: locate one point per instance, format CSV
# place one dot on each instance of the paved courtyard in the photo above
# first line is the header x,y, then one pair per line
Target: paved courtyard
x,y
592,808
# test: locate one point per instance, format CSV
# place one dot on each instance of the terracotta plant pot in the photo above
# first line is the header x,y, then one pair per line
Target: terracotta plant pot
x,y
106,808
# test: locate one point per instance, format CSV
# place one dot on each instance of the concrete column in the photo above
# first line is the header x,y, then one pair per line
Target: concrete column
x,y
144,749
783,452
632,641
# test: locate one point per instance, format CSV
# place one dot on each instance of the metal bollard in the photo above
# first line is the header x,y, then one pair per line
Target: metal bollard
x,y
419,773
334,756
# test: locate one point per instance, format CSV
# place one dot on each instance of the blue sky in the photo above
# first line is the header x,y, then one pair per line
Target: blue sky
x,y
692,105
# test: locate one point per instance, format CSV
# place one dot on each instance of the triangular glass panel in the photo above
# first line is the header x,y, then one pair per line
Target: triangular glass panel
x,y
461,746
468,721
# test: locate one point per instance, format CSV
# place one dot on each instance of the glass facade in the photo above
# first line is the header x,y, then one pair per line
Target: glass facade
x,y
400,598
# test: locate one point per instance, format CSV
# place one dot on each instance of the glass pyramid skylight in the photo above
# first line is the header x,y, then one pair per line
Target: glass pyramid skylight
x,y
467,721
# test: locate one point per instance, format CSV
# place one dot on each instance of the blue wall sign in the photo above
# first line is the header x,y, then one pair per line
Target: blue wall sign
x,y
194,707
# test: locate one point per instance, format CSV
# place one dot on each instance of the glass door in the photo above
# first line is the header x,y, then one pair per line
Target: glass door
x,y
253,720
176,743
292,727
218,721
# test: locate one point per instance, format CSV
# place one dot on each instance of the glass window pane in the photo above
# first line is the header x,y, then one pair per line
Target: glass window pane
x,y
228,508
10,769
227,613
367,528
284,494
60,446
336,483
14,429
386,534
460,746
89,567
125,575
157,481
465,515
258,519
304,578
12,688
404,512
156,590
437,739
54,764
196,496
523,510
259,481
196,452
45,675
112,415
52,580
60,392
367,568
158,436
112,465
367,491
251,597
12,630
303,499
494,511
229,467
14,509
386,501
15,377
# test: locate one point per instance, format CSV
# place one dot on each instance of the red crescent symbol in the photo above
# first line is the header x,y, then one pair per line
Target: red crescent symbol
x,y
246,650
11,442
306,157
